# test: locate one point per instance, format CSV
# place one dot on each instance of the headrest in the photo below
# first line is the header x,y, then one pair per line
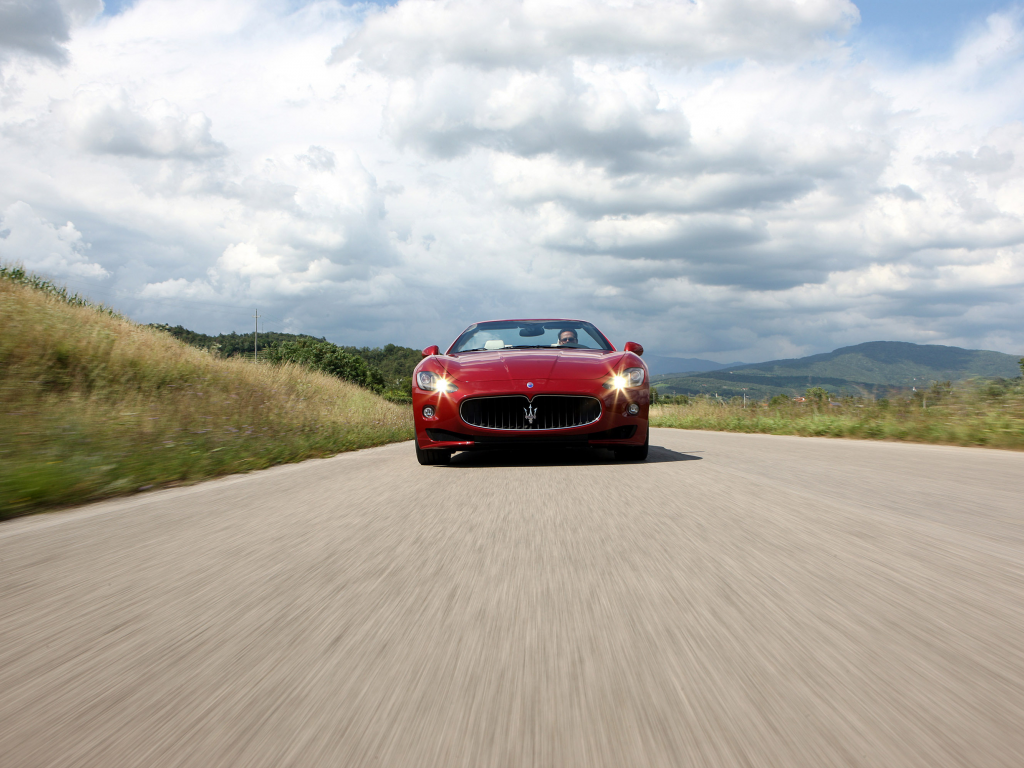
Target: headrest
x,y
494,344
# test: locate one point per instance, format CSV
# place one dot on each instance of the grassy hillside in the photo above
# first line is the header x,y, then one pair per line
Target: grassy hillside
x,y
870,369
394,363
93,405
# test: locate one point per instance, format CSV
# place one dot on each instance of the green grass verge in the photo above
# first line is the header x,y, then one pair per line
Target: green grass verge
x,y
93,406
990,414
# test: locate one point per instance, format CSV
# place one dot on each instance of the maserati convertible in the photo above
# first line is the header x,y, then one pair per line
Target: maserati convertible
x,y
529,384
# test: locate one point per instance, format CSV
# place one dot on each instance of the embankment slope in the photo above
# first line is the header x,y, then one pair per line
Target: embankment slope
x,y
93,405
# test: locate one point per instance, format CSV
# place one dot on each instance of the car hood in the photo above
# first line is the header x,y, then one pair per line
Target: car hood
x,y
519,364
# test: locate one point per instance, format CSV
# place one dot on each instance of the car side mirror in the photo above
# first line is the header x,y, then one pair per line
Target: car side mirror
x,y
636,349
431,351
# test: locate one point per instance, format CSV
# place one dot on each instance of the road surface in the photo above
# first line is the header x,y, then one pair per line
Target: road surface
x,y
738,600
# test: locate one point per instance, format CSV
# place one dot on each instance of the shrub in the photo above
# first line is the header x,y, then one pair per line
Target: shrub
x,y
330,359
817,394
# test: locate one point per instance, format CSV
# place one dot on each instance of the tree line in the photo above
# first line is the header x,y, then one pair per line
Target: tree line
x,y
385,370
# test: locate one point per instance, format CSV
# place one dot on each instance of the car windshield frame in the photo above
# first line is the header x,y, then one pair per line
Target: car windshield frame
x,y
544,325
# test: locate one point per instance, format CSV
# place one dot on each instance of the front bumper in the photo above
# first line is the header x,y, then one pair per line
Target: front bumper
x,y
615,427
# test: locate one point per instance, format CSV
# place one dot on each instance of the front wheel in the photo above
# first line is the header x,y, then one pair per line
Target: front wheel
x,y
634,452
432,457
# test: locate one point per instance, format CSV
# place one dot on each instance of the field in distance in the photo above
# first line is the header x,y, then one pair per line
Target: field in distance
x,y
865,370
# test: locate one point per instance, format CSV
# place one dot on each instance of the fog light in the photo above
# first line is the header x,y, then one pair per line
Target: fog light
x,y
633,409
428,412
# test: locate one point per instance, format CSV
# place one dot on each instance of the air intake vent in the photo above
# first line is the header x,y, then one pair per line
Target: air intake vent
x,y
518,413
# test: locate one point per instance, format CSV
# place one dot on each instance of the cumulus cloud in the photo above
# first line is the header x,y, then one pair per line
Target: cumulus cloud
x,y
417,36
41,28
29,239
111,123
735,178
79,12
319,159
984,160
591,190
36,27
315,222
581,111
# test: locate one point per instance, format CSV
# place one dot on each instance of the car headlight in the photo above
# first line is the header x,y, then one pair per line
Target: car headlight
x,y
631,377
431,382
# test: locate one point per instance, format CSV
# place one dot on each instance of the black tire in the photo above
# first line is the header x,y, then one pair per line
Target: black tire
x,y
634,452
432,457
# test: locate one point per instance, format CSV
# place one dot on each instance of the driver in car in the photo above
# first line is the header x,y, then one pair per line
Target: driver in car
x,y
567,338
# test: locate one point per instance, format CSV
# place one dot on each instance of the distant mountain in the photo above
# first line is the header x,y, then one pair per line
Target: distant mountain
x,y
895,363
659,364
872,368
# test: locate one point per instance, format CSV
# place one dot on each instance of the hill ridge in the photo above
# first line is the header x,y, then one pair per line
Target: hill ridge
x,y
875,346
859,369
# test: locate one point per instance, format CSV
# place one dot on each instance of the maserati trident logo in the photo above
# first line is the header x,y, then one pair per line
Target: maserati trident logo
x,y
531,413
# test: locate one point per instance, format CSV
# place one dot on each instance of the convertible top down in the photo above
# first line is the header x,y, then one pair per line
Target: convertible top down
x,y
531,383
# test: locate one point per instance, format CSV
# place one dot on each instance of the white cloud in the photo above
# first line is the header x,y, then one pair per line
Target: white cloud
x,y
417,36
40,28
111,123
245,259
35,27
81,12
29,239
726,177
578,112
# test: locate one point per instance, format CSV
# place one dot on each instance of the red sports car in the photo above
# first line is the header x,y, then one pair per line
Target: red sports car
x,y
531,383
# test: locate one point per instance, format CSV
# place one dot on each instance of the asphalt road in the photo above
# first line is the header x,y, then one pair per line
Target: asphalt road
x,y
738,600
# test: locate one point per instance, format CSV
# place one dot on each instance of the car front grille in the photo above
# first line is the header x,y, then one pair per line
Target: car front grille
x,y
534,438
516,412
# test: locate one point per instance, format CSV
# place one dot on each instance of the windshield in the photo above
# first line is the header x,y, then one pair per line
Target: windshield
x,y
527,334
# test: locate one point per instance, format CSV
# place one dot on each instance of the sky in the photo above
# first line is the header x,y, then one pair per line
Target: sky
x,y
727,179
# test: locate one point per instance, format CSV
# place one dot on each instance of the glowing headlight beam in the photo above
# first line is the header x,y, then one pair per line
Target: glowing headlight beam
x,y
431,382
631,377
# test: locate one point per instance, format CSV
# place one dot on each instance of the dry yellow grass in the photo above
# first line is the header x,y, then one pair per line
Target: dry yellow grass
x,y
979,413
93,405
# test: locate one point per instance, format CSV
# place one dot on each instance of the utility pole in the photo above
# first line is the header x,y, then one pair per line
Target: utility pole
x,y
255,337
